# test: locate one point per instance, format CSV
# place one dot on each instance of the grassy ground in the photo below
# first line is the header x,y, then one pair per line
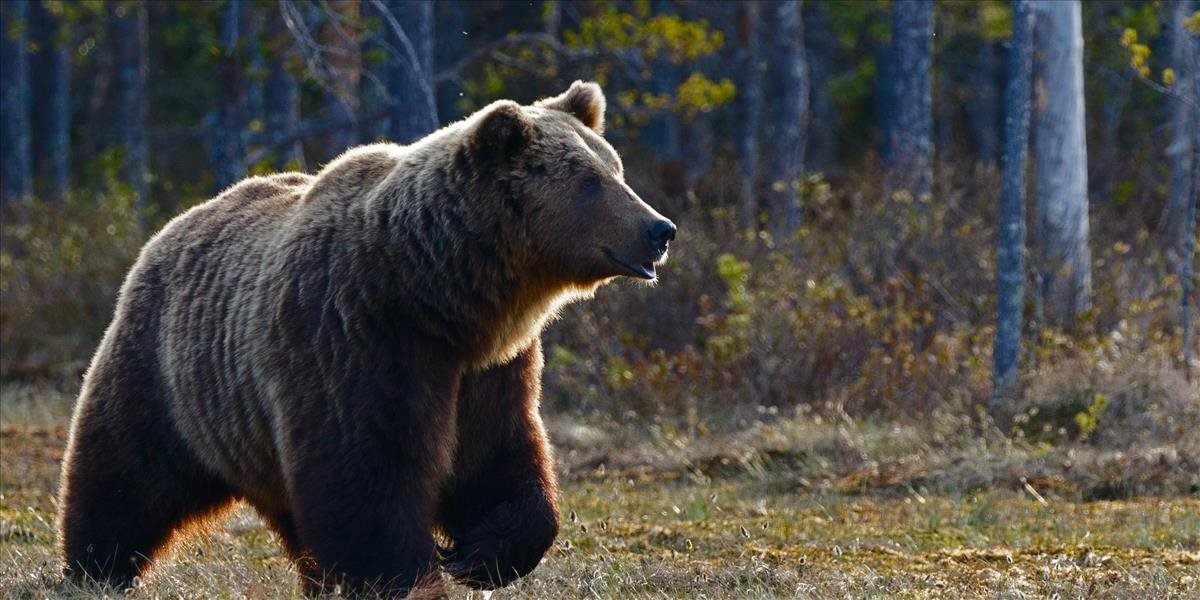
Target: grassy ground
x,y
851,510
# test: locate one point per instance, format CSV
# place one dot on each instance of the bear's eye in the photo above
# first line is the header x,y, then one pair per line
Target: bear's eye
x,y
590,187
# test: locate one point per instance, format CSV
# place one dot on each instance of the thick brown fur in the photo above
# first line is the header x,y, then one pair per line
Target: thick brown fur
x,y
357,355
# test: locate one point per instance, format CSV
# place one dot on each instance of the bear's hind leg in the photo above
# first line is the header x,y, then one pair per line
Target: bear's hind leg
x,y
312,580
127,487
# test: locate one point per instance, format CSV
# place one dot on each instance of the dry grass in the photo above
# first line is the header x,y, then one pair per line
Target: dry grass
x,y
796,507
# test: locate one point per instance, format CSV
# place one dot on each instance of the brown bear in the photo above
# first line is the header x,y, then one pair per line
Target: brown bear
x,y
357,355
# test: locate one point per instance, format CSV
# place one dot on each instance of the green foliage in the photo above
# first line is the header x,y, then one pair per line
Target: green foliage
x,y
826,316
1139,54
700,94
60,268
667,36
852,20
1086,421
995,20
1193,23
639,39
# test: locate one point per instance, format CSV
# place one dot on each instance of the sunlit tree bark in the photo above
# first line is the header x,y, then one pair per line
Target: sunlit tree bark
x,y
1060,151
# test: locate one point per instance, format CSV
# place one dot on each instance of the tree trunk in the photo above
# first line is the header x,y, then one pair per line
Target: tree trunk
x,y
228,153
372,85
662,133
911,143
16,154
1173,225
883,93
1064,260
256,73
982,109
282,96
750,100
410,71
97,120
821,56
50,77
451,30
57,50
1010,255
1187,274
790,124
551,17
943,109
344,61
130,30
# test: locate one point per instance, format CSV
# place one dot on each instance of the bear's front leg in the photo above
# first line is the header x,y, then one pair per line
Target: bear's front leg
x,y
499,510
363,485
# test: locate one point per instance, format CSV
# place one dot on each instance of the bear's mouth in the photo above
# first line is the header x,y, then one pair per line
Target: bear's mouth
x,y
643,270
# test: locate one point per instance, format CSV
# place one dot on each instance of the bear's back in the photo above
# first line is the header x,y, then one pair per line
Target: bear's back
x,y
193,291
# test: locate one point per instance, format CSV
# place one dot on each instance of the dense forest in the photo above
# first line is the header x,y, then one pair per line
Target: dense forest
x,y
880,201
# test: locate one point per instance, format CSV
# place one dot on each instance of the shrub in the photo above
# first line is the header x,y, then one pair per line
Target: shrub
x,y
61,265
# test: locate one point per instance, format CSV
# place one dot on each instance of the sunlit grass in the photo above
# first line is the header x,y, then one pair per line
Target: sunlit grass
x,y
646,522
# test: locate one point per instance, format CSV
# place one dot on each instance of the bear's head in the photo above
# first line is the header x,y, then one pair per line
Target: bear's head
x,y
585,225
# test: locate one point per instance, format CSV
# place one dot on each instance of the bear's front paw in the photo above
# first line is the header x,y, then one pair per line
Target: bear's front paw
x,y
501,548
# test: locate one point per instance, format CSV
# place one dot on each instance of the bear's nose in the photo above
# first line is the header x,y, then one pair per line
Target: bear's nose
x,y
661,232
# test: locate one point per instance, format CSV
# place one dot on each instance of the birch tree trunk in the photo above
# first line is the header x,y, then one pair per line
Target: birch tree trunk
x,y
790,123
1060,151
16,154
1010,255
410,71
911,147
130,29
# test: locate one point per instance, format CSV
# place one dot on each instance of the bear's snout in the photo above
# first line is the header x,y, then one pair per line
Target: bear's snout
x,y
661,233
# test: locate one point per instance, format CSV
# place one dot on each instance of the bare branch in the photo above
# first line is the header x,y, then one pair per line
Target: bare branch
x,y
412,62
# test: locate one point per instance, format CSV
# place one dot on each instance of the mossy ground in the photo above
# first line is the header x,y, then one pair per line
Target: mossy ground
x,y
677,533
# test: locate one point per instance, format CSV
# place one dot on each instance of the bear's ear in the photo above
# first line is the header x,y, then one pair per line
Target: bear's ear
x,y
503,130
584,100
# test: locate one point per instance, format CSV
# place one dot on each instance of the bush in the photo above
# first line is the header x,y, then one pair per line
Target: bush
x,y
876,308
870,308
61,265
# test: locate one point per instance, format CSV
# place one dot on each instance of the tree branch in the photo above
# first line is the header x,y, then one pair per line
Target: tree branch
x,y
411,61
